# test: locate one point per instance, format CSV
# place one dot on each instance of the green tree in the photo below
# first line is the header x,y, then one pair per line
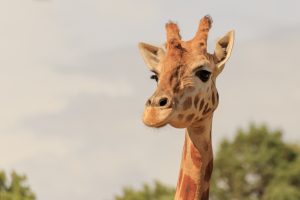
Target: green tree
x,y
257,164
16,188
156,192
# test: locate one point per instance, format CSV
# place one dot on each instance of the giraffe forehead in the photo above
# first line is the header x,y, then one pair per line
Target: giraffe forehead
x,y
182,67
171,76
180,61
184,56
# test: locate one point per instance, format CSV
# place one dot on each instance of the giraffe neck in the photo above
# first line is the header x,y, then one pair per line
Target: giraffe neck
x,y
196,162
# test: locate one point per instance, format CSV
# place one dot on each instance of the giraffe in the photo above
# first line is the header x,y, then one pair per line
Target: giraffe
x,y
186,97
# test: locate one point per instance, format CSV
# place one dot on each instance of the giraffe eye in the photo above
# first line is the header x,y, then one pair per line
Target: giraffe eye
x,y
155,77
203,75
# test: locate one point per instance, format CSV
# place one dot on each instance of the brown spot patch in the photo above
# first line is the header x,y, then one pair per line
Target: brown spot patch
x,y
180,116
196,100
208,171
188,188
176,87
174,42
195,155
205,146
197,118
174,75
187,103
190,117
207,110
205,195
176,101
213,98
217,96
201,105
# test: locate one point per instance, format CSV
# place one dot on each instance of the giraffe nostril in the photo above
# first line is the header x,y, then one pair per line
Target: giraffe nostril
x,y
163,101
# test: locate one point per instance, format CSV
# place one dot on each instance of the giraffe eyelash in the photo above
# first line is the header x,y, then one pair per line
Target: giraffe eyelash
x,y
155,77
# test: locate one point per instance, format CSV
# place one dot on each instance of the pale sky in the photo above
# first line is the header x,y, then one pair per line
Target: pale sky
x,y
74,85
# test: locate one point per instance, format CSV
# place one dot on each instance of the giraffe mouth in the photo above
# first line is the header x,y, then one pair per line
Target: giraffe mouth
x,y
156,117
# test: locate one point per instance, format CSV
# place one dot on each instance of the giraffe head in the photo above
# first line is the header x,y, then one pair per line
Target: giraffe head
x,y
185,74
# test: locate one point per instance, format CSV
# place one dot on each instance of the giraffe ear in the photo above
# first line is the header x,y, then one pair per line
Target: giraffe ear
x,y
223,50
152,55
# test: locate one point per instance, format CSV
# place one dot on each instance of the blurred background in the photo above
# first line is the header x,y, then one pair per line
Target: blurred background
x,y
73,87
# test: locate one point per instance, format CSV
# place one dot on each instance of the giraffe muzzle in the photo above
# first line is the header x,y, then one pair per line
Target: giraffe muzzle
x,y
158,110
159,101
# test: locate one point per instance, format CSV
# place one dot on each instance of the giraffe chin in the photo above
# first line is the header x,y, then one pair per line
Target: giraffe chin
x,y
156,117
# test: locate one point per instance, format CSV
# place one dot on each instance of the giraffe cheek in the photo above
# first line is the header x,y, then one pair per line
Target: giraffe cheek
x,y
179,121
187,103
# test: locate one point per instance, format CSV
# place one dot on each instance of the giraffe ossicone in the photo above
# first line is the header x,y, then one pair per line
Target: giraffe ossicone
x,y
186,97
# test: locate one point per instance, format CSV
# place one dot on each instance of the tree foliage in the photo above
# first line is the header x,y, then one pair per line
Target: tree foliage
x,y
16,188
256,165
156,192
